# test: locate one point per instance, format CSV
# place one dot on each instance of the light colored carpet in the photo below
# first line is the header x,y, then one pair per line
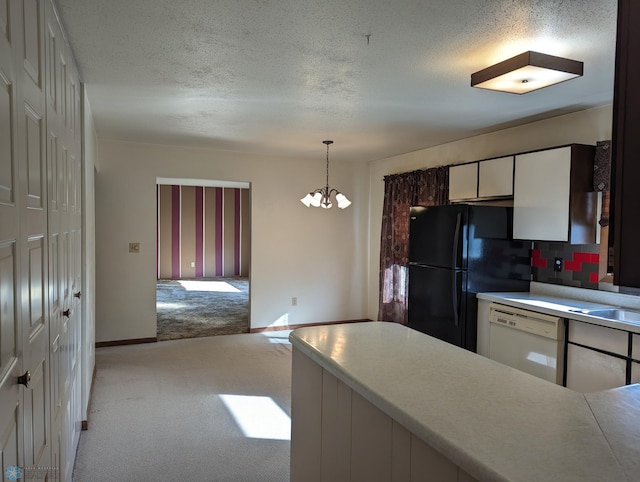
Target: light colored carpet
x,y
190,308
157,413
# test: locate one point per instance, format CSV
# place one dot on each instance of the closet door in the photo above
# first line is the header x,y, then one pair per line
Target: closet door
x,y
11,365
35,316
24,321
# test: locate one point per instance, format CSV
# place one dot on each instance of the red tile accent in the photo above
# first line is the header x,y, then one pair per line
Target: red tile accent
x,y
537,261
593,277
572,265
586,257
579,258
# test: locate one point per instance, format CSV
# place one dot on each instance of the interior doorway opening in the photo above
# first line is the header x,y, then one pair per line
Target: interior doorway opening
x,y
203,258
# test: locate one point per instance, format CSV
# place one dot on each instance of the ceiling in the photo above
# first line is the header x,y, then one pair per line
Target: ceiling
x,y
277,77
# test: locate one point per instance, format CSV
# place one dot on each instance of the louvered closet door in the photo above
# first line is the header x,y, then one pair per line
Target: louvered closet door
x,y
11,425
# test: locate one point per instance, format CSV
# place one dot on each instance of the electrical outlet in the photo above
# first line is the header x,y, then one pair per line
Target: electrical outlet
x,y
557,264
294,301
193,264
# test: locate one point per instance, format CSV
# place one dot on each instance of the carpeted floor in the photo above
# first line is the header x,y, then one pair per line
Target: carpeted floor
x,y
191,308
204,409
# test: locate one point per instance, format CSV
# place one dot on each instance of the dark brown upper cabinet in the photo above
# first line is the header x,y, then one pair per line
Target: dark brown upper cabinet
x,y
626,148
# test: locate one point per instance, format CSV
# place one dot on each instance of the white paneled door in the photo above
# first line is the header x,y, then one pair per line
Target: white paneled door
x,y
33,214
40,243
11,364
64,238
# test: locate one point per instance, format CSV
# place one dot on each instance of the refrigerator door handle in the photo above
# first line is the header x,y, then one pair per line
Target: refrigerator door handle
x,y
456,318
456,240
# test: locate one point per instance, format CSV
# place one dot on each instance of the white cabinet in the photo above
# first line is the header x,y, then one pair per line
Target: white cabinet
x,y
596,357
495,177
591,371
489,179
553,196
463,182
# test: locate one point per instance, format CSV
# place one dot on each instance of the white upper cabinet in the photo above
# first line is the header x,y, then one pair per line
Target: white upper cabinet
x,y
553,198
495,177
488,179
463,182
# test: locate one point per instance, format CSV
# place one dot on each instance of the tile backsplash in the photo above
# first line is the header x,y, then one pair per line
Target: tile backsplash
x,y
578,262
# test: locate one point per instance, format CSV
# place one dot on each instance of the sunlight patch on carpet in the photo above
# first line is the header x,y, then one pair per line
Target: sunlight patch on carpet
x,y
170,306
216,286
280,337
258,417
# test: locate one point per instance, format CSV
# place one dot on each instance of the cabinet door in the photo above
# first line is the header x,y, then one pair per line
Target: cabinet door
x,y
591,371
541,195
600,337
625,168
463,182
495,177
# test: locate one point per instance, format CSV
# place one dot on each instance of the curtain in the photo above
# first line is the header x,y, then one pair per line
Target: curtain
x,y
602,177
401,191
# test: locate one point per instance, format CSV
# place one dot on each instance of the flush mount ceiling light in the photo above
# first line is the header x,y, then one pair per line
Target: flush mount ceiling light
x,y
321,197
527,72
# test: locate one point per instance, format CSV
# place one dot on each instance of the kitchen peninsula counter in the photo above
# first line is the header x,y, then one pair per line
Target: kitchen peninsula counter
x,y
489,421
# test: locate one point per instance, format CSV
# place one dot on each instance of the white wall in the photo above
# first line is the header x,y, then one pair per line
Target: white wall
x,y
586,127
89,163
319,256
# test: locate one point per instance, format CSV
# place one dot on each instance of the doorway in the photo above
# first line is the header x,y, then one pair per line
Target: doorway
x,y
203,258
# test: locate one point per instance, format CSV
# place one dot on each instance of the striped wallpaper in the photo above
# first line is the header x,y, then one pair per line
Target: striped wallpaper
x,y
202,232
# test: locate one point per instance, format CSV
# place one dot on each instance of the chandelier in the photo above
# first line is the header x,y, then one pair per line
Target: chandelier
x,y
321,197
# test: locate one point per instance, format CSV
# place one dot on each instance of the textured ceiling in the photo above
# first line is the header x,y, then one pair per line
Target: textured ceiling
x,y
379,77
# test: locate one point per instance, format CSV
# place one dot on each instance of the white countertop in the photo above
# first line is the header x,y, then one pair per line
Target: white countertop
x,y
556,306
497,423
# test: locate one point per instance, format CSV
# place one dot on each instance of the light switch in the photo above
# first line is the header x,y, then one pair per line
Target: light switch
x,y
134,247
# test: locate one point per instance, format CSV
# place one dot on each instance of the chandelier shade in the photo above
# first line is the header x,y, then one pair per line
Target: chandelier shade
x,y
321,197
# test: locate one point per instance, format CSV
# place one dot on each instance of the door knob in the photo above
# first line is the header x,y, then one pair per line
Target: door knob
x,y
78,294
66,313
25,379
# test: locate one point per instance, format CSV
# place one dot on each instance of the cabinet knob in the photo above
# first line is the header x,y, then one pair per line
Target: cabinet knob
x,y
78,294
66,313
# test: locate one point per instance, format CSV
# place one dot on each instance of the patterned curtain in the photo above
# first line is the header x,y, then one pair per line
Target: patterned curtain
x,y
401,191
602,177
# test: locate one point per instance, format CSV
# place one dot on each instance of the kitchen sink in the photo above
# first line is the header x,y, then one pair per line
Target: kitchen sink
x,y
617,314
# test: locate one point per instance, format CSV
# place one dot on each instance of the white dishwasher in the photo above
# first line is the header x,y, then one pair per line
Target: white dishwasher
x,y
528,341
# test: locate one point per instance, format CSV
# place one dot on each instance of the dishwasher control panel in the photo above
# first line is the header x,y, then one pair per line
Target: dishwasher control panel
x,y
530,322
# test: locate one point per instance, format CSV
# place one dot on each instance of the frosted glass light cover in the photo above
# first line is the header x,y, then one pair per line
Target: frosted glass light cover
x,y
307,199
343,202
526,79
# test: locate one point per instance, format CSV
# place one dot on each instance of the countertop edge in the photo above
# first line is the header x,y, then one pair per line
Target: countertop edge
x,y
532,302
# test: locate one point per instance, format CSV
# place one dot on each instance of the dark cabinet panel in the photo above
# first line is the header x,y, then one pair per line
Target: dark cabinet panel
x,y
626,148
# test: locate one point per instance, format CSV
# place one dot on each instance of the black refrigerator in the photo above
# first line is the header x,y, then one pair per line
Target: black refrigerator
x,y
455,252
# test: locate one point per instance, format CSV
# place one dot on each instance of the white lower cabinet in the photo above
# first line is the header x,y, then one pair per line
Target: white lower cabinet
x,y
337,435
635,372
635,354
591,371
597,357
